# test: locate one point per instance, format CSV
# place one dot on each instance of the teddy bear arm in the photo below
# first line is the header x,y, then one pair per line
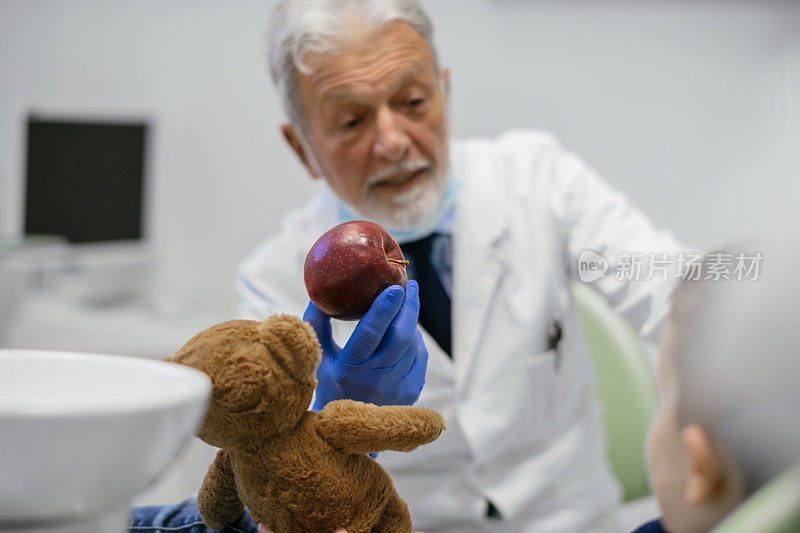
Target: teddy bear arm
x,y
358,427
218,500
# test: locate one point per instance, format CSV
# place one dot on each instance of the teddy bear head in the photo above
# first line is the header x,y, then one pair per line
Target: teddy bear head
x,y
263,375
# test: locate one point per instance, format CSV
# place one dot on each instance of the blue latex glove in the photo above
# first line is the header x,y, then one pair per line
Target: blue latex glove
x,y
383,361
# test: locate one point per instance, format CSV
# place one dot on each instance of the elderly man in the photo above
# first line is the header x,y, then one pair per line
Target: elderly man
x,y
494,229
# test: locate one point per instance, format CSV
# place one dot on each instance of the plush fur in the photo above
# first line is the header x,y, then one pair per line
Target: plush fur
x,y
295,470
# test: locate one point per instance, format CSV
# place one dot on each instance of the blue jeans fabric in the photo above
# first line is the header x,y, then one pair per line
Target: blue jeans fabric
x,y
182,517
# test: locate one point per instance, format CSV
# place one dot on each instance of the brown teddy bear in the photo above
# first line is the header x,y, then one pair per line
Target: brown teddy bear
x,y
295,470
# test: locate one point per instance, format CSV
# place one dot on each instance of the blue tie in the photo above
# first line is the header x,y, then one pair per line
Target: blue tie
x,y
431,265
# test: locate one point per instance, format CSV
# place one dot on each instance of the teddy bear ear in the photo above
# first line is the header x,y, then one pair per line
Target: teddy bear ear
x,y
300,350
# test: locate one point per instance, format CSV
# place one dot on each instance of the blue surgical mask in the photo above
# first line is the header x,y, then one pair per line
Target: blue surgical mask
x,y
443,210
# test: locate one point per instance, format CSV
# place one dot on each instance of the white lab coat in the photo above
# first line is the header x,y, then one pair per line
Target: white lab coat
x,y
523,423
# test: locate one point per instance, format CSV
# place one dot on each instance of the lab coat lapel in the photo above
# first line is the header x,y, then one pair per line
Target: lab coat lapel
x,y
480,224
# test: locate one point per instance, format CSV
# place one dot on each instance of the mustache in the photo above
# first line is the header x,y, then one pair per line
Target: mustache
x,y
404,167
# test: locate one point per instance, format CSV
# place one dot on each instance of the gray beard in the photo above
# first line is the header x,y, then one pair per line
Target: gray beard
x,y
406,210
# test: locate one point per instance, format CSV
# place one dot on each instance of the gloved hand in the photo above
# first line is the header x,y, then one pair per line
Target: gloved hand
x,y
383,361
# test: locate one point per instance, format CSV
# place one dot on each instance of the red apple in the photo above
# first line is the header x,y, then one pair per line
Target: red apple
x,y
350,265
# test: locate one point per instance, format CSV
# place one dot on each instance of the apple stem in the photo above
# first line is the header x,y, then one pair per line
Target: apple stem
x,y
399,261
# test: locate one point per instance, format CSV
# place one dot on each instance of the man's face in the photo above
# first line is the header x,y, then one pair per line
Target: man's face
x,y
376,124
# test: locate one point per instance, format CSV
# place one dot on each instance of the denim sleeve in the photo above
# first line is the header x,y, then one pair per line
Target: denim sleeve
x,y
182,517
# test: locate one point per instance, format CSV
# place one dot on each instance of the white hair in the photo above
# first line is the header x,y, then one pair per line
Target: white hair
x,y
299,27
736,357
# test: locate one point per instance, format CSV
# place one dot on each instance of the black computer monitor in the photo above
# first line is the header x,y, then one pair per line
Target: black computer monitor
x,y
85,179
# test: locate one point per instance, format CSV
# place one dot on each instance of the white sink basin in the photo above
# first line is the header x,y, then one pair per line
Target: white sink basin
x,y
82,434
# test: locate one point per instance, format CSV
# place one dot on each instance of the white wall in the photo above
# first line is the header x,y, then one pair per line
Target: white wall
x,y
689,107
683,105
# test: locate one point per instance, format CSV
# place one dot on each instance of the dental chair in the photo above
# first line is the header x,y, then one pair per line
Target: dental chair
x,y
626,386
774,508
